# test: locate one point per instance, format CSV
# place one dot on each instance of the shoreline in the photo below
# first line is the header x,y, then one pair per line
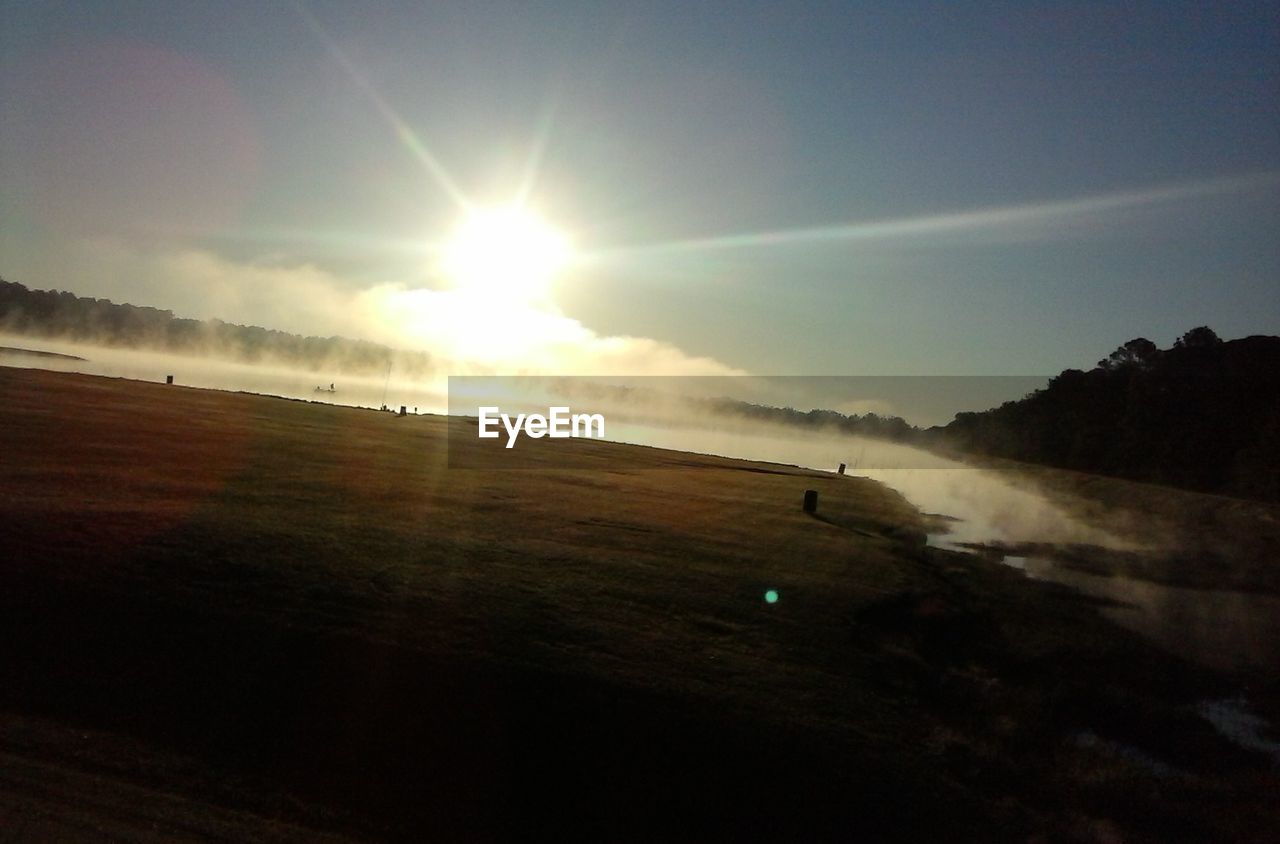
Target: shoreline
x,y
14,350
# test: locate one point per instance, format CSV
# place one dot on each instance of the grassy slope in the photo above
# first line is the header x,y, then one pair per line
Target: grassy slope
x,y
298,612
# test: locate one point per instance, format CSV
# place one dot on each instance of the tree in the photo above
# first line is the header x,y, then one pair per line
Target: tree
x,y
1139,353
1203,337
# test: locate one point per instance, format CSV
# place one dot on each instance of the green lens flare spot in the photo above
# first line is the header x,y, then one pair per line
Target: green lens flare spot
x,y
771,597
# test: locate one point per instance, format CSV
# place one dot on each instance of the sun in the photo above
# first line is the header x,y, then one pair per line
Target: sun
x,y
508,251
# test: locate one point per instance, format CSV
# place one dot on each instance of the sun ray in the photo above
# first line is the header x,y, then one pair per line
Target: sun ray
x,y
537,150
403,131
981,219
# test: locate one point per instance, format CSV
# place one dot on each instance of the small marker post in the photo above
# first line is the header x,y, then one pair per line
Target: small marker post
x,y
840,471
811,501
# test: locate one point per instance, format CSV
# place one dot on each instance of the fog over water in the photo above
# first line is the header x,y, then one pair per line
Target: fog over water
x,y
364,390
1214,627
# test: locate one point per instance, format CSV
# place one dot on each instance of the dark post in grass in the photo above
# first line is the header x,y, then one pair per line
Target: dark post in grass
x,y
811,501
402,410
840,471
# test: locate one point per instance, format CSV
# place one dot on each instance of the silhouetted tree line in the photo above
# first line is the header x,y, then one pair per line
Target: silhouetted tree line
x,y
866,425
65,316
1204,414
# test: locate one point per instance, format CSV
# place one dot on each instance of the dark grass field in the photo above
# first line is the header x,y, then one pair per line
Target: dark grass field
x,y
226,616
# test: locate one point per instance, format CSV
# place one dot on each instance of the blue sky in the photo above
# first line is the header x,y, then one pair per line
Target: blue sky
x,y
820,188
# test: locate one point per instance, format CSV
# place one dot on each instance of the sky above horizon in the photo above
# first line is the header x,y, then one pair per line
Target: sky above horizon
x,y
774,188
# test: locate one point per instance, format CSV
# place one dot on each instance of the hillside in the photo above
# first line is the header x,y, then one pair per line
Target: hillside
x,y
1202,415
